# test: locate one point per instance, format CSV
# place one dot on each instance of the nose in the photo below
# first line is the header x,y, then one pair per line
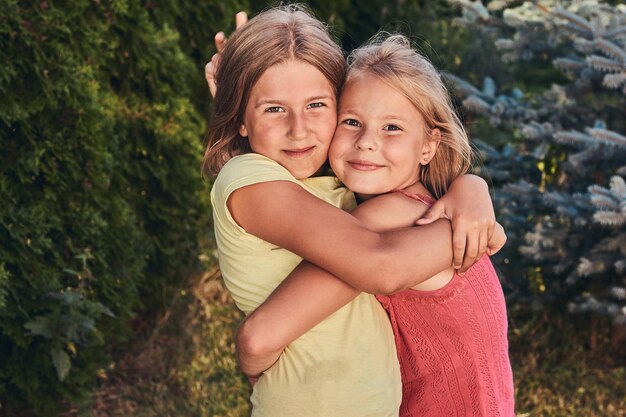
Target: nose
x,y
366,141
297,126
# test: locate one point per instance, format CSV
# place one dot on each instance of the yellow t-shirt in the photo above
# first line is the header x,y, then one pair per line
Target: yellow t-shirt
x,y
346,365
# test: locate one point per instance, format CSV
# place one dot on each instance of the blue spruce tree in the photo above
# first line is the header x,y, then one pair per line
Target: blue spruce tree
x,y
560,181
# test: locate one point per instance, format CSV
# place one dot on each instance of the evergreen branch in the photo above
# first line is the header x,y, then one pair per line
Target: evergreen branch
x,y
487,151
604,64
569,65
607,137
586,267
577,23
504,44
477,105
521,189
576,138
604,202
536,131
498,5
619,293
618,187
616,33
460,84
476,9
584,45
578,160
609,218
600,191
614,80
557,199
489,87
611,49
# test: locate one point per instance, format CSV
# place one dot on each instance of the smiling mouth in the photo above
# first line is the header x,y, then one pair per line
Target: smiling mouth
x,y
299,153
361,165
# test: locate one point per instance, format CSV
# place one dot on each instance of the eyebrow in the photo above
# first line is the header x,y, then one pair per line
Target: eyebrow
x,y
384,117
280,102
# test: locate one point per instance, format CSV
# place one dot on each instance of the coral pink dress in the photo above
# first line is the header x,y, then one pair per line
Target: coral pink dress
x,y
452,345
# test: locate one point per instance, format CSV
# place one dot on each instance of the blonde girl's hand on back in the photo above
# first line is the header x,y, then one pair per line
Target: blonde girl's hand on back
x,y
210,68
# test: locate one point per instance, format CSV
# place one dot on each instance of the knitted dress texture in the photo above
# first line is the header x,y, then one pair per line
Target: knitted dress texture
x,y
452,345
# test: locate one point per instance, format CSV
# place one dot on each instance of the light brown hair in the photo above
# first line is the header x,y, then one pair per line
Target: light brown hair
x,y
272,37
392,59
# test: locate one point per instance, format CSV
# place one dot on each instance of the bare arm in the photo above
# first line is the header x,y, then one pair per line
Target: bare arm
x,y
338,242
468,205
310,294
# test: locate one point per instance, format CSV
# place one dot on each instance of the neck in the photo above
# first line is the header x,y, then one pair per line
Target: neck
x,y
416,187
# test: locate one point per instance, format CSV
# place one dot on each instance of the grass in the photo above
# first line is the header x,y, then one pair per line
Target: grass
x,y
185,365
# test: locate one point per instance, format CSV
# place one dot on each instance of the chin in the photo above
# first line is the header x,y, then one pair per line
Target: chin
x,y
366,189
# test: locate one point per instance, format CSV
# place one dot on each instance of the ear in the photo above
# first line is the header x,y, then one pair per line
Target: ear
x,y
430,146
243,131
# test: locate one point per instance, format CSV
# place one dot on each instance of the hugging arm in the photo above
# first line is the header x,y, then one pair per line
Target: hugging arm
x,y
311,294
468,206
336,241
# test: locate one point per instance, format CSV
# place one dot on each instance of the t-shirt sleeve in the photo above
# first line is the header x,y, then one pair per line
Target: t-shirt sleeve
x,y
241,171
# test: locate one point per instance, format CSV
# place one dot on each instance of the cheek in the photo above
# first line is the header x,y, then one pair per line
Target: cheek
x,y
339,144
327,128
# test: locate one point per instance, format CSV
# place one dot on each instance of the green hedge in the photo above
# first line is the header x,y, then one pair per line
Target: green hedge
x,y
101,203
102,209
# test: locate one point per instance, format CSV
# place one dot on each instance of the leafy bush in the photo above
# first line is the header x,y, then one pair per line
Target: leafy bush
x,y
103,208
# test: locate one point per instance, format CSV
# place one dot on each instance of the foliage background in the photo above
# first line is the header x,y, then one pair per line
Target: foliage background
x,y
110,302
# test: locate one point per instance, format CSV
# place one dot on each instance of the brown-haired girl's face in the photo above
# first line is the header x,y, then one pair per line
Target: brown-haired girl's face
x,y
291,117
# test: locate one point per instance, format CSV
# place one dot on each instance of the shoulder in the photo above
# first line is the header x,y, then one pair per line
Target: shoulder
x,y
390,211
248,169
251,165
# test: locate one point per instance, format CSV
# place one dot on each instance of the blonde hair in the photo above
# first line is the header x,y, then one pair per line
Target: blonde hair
x,y
392,59
272,37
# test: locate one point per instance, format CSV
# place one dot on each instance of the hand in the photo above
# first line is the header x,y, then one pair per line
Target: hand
x,y
497,241
468,206
220,41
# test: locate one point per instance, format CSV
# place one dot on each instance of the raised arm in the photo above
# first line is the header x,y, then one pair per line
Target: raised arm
x,y
210,69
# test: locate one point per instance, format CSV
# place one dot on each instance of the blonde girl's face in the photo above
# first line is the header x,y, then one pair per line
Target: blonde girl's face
x,y
291,116
381,138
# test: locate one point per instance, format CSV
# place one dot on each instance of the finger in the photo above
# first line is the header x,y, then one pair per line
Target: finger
x,y
497,241
209,74
241,19
471,251
490,230
482,243
459,241
220,41
436,212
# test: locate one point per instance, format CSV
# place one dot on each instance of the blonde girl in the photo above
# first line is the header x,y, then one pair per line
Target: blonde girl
x,y
398,146
274,115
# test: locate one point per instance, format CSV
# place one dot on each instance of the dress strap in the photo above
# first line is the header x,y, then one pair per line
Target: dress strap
x,y
426,199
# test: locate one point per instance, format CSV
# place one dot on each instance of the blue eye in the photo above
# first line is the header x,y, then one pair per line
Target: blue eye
x,y
352,122
316,105
274,109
